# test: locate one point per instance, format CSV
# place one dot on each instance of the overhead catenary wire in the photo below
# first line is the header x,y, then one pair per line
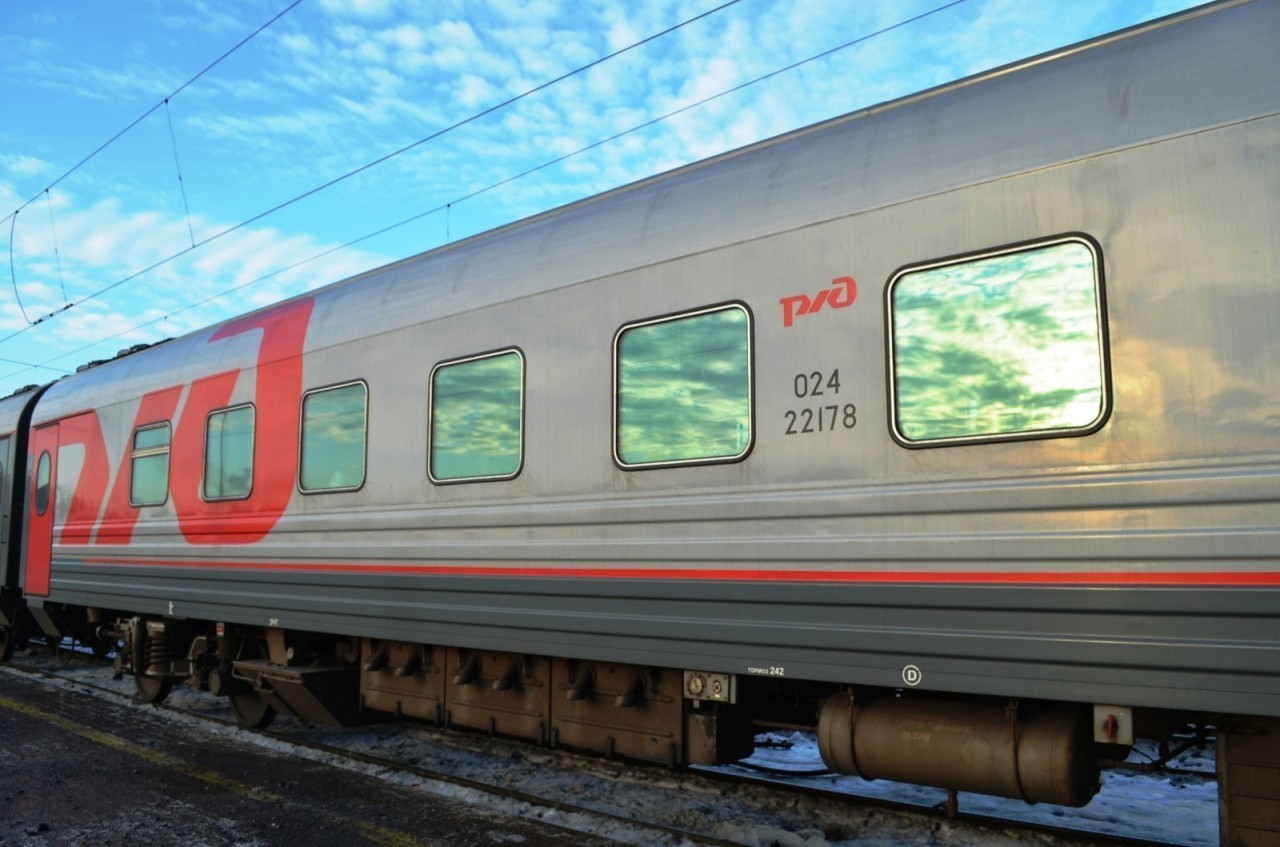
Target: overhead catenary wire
x,y
13,274
182,189
448,206
53,229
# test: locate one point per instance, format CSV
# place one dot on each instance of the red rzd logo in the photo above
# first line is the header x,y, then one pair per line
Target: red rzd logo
x,y
841,294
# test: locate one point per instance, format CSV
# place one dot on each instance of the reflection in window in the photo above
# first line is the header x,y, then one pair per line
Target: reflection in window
x,y
149,470
333,438
683,389
228,454
1005,345
44,470
477,406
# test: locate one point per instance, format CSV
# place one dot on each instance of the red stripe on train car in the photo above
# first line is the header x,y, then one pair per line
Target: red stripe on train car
x,y
1170,578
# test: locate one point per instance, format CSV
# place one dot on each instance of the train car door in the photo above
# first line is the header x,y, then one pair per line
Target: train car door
x,y
40,511
6,462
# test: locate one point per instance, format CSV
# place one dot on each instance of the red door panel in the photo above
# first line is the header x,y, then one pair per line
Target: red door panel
x,y
41,503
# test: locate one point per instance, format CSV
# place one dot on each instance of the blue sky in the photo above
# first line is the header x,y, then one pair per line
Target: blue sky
x,y
332,86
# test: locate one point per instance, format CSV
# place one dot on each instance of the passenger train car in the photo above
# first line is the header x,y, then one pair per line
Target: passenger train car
x,y
950,427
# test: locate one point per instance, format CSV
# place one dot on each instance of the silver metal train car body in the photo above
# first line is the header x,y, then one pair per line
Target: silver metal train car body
x,y
1114,539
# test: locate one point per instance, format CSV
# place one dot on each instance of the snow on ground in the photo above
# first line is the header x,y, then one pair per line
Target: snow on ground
x,y
1177,809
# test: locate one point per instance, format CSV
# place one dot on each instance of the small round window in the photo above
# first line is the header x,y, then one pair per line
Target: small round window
x,y
43,469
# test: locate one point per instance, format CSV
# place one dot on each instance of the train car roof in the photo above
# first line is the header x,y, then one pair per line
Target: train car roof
x,y
12,407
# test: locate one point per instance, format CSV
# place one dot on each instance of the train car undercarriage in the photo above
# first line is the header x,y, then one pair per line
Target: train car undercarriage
x,y
1035,751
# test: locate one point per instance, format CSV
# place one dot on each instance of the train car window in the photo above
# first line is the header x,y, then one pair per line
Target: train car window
x,y
1004,345
683,389
44,470
228,454
334,435
149,466
477,418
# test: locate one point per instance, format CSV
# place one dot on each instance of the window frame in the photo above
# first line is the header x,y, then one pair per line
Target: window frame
x,y
751,388
302,427
253,445
43,492
148,452
431,405
1102,336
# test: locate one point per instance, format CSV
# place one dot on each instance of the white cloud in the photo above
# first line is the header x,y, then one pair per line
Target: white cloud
x,y
405,37
456,33
212,18
299,43
475,92
19,165
359,8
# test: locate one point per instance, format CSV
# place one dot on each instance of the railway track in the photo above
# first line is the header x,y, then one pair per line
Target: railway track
x,y
627,802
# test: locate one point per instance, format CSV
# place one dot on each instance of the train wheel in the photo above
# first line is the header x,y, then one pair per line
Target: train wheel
x,y
252,710
8,640
152,689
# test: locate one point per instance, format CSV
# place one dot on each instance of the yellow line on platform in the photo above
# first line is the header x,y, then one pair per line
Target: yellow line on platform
x,y
373,832
155,757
